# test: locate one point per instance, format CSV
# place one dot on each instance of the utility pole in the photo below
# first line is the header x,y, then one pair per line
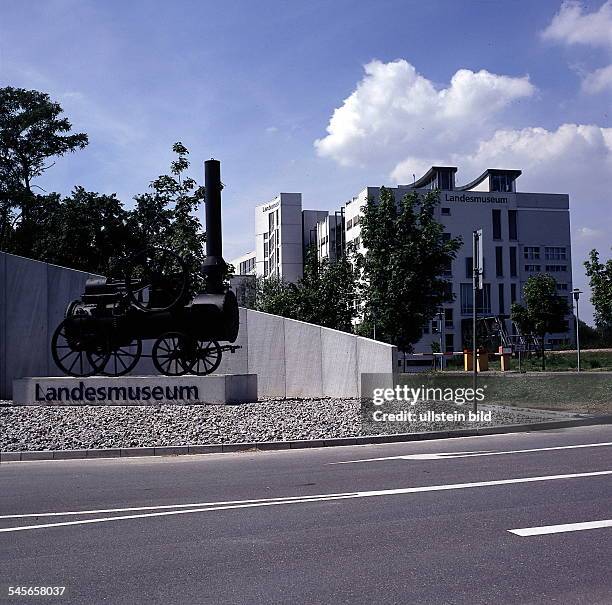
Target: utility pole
x,y
477,262
576,292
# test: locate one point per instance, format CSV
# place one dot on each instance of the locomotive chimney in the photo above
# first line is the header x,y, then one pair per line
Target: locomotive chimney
x,y
214,266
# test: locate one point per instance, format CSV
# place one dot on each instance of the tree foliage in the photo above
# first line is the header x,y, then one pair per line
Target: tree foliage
x,y
544,310
600,277
406,256
326,294
165,215
32,132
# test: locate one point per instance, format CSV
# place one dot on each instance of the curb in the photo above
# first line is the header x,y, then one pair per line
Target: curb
x,y
177,450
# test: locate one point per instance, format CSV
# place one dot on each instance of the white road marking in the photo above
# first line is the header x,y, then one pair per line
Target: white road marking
x,y
558,529
450,455
206,507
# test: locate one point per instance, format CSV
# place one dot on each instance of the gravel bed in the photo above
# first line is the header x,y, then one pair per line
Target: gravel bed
x,y
87,427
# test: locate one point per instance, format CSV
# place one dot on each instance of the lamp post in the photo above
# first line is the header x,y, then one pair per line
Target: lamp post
x,y
576,292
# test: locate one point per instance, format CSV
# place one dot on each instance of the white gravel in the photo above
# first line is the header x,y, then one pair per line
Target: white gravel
x,y
84,427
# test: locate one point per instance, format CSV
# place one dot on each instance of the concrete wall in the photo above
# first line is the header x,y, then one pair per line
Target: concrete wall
x,y
33,298
291,358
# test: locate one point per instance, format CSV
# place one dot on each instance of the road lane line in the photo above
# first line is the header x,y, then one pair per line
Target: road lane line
x,y
158,507
451,455
315,498
558,529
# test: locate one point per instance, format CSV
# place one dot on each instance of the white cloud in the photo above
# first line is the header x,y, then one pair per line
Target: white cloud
x,y
394,109
588,234
571,26
598,81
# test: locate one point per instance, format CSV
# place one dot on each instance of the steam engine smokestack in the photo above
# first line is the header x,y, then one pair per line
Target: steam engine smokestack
x,y
214,266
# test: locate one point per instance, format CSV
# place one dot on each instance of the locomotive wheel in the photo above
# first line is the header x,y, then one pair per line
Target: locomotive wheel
x,y
76,352
156,279
123,359
171,354
207,357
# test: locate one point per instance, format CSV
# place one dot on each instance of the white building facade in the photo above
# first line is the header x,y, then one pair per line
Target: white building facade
x,y
523,234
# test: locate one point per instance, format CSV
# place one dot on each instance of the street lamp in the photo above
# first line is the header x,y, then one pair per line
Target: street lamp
x,y
576,292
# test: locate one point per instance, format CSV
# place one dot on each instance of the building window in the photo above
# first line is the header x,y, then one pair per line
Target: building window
x,y
561,286
426,328
446,211
448,291
356,221
449,341
483,299
531,252
496,216
469,267
271,222
500,182
445,181
555,253
532,268
512,230
513,261
448,319
499,261
349,224
512,293
502,303
556,268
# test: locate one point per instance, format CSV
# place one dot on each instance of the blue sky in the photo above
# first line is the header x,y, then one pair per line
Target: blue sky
x,y
255,84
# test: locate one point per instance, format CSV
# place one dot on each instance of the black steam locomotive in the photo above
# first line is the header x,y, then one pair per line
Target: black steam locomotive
x,y
103,331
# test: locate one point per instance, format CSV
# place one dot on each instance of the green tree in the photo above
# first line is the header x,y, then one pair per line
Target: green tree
x,y
165,216
600,277
86,231
32,132
406,255
544,310
326,294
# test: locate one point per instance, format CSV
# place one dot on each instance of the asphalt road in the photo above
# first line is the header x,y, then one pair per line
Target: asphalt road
x,y
333,525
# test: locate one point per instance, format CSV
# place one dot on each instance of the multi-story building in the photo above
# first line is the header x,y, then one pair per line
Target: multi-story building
x,y
523,234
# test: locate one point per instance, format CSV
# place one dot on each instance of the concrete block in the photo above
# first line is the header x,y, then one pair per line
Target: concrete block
x,y
238,362
27,340
171,450
240,388
239,447
41,455
104,453
339,364
4,387
69,454
303,359
266,353
205,449
129,452
273,445
63,286
10,456
375,357
135,390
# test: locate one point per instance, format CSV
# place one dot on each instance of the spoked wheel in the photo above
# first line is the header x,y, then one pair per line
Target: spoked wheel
x,y
207,357
123,358
78,351
156,279
171,354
